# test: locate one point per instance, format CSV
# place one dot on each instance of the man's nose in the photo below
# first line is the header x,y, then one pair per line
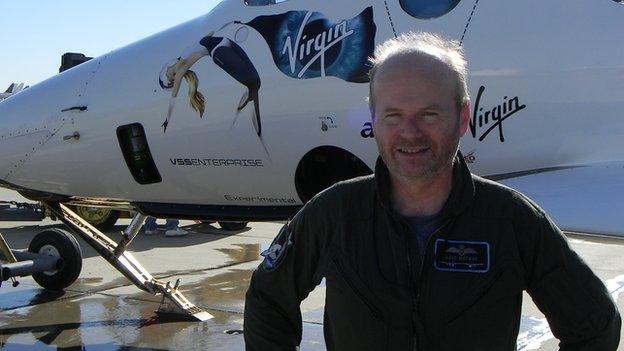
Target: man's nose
x,y
411,128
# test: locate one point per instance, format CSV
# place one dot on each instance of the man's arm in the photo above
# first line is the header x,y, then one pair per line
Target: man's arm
x,y
578,307
291,270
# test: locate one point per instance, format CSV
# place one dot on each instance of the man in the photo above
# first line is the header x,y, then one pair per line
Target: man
x,y
424,255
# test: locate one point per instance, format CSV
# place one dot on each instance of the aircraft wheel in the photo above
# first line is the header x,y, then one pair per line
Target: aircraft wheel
x,y
102,218
58,243
233,225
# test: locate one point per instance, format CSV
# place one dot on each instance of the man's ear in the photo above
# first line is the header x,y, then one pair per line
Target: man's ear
x,y
464,118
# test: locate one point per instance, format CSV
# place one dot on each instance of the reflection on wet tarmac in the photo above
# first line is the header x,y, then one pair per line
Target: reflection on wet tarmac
x,y
244,253
27,295
112,323
224,291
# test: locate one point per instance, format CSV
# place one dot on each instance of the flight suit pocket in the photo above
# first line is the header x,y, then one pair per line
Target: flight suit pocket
x,y
353,311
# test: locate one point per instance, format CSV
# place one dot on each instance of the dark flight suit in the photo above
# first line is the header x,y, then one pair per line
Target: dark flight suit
x,y
464,294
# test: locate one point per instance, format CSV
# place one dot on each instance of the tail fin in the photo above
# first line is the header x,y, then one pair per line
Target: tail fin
x,y
10,88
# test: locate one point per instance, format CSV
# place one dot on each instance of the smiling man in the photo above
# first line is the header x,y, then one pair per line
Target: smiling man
x,y
423,255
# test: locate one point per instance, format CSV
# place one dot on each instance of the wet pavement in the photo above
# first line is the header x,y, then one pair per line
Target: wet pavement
x,y
103,311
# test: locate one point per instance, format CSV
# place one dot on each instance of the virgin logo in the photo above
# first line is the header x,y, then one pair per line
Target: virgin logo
x,y
316,47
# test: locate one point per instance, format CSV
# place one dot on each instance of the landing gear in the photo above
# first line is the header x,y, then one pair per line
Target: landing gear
x,y
102,218
233,225
63,246
53,259
173,302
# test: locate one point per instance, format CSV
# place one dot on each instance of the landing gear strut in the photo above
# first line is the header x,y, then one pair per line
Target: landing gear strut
x,y
173,302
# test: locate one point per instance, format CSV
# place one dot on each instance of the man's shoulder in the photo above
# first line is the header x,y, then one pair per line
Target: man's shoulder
x,y
499,200
353,194
346,189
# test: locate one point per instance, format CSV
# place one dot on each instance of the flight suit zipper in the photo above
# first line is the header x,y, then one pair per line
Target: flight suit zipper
x,y
414,298
410,271
416,289
422,265
405,231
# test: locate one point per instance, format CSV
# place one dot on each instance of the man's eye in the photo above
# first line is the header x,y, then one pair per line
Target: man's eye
x,y
391,117
430,116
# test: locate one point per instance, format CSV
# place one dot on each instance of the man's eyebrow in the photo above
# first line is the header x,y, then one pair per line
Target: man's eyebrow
x,y
432,107
391,109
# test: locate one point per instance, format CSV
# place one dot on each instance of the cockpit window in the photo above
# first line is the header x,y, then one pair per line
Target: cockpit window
x,y
262,2
426,9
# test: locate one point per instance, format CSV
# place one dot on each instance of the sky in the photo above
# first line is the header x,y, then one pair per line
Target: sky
x,y
35,33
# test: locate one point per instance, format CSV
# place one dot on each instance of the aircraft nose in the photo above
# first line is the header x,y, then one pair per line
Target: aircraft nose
x,y
16,148
33,124
22,134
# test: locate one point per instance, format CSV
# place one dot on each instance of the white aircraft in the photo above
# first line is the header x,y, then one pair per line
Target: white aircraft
x,y
12,89
245,113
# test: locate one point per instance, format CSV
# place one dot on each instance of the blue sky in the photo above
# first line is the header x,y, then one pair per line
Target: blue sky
x,y
35,33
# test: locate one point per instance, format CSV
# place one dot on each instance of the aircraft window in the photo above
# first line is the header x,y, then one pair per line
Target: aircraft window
x,y
425,9
262,2
137,154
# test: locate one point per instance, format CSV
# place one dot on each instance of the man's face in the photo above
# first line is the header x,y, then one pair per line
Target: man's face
x,y
416,122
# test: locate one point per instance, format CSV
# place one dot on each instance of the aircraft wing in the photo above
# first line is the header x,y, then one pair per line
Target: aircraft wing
x,y
588,199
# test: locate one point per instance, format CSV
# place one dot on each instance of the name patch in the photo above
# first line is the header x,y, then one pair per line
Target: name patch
x,y
462,256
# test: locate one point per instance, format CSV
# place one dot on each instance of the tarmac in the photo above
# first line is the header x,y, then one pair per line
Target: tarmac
x,y
102,310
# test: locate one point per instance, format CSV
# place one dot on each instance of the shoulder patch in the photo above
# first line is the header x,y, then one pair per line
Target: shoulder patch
x,y
462,256
275,254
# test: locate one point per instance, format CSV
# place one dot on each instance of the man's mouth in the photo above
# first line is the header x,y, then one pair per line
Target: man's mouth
x,y
412,150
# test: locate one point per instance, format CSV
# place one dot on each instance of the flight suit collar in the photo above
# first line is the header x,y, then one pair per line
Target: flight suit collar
x,y
462,188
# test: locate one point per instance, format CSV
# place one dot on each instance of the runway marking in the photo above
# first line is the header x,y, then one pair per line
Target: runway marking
x,y
539,331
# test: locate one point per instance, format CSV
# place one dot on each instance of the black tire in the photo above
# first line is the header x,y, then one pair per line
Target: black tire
x,y
233,225
57,242
103,219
